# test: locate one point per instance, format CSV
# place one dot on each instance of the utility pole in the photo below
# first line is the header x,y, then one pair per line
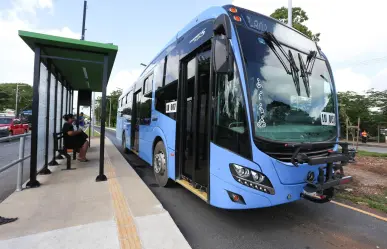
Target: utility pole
x,y
92,116
84,19
290,11
17,96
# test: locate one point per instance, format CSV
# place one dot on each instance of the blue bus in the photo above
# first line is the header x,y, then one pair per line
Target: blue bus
x,y
239,109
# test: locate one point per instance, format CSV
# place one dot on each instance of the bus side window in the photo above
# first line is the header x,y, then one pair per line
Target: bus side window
x,y
230,116
146,102
127,110
159,74
167,95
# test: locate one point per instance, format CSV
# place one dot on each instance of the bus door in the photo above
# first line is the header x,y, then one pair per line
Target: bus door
x,y
193,120
135,127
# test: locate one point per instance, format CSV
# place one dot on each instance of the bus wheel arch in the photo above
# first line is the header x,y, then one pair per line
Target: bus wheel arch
x,y
160,163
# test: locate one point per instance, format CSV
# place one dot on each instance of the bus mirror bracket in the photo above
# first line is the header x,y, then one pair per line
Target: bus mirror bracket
x,y
223,59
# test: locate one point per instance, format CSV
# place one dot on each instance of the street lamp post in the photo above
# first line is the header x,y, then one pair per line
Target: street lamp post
x,y
290,10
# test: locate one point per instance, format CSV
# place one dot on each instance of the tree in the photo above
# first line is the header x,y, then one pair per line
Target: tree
x,y
371,108
8,96
298,18
113,97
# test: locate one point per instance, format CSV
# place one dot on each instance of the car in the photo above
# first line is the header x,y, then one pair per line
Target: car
x,y
10,126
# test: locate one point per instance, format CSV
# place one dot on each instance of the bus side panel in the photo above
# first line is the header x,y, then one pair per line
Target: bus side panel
x,y
127,128
168,126
119,126
157,132
145,143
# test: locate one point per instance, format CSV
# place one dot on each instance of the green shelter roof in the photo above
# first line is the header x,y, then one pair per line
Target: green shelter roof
x,y
74,58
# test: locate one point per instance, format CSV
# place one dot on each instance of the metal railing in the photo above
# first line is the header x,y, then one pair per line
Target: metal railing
x,y
19,161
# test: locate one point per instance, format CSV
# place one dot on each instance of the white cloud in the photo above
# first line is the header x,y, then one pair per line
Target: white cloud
x,y
350,31
348,80
379,82
30,6
17,58
123,79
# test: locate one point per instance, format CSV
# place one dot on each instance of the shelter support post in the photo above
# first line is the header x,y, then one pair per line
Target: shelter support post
x,y
78,108
53,161
72,101
101,176
33,183
45,170
61,117
90,125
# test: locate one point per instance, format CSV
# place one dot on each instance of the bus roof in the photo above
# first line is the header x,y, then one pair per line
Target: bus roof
x,y
210,13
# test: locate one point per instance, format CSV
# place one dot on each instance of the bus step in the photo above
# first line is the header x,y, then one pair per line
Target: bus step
x,y
202,195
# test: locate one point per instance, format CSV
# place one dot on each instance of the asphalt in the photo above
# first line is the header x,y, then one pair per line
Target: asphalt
x,y
373,149
297,225
8,153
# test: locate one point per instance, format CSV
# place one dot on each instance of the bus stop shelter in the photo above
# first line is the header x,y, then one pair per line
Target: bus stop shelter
x,y
62,66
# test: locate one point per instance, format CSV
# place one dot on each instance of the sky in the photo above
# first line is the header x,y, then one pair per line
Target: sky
x,y
352,35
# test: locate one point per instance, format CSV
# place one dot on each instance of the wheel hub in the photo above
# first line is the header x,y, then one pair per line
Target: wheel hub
x,y
159,163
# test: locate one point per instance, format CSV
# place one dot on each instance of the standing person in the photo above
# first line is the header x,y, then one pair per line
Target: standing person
x,y
81,121
74,139
364,136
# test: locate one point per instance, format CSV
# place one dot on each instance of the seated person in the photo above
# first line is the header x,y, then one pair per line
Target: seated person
x,y
74,139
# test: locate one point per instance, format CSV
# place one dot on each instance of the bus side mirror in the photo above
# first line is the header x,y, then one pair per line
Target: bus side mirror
x,y
222,51
223,59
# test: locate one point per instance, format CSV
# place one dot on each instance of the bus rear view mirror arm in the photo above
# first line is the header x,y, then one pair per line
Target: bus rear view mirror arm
x,y
223,59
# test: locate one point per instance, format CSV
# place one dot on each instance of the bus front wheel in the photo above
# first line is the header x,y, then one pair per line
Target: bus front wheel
x,y
160,166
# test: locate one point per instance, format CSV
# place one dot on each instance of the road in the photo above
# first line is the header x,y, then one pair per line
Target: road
x,y
9,151
299,225
373,149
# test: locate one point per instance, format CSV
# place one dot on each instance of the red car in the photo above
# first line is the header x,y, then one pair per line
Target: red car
x,y
10,126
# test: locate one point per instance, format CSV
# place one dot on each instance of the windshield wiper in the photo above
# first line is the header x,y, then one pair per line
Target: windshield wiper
x,y
304,75
306,69
310,61
293,70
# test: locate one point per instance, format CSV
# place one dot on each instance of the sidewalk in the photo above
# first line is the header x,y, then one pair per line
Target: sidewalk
x,y
71,210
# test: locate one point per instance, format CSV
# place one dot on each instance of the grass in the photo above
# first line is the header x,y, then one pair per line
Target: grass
x,y
378,202
371,154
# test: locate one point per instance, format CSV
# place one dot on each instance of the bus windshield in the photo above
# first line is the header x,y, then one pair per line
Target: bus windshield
x,y
284,109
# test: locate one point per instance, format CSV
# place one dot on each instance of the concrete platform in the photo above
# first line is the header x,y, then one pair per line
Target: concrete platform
x,y
71,210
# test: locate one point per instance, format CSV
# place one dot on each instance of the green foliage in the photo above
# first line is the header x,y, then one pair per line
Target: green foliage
x,y
8,96
371,108
298,18
371,154
113,97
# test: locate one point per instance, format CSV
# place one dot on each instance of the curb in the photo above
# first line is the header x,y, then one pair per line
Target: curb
x,y
155,226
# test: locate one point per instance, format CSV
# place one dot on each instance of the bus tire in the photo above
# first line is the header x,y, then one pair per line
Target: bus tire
x,y
123,144
160,165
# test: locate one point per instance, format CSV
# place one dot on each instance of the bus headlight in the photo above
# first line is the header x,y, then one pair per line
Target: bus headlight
x,y
251,178
241,171
258,177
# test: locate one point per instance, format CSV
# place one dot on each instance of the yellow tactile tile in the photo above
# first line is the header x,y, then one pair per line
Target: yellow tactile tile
x,y
127,232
